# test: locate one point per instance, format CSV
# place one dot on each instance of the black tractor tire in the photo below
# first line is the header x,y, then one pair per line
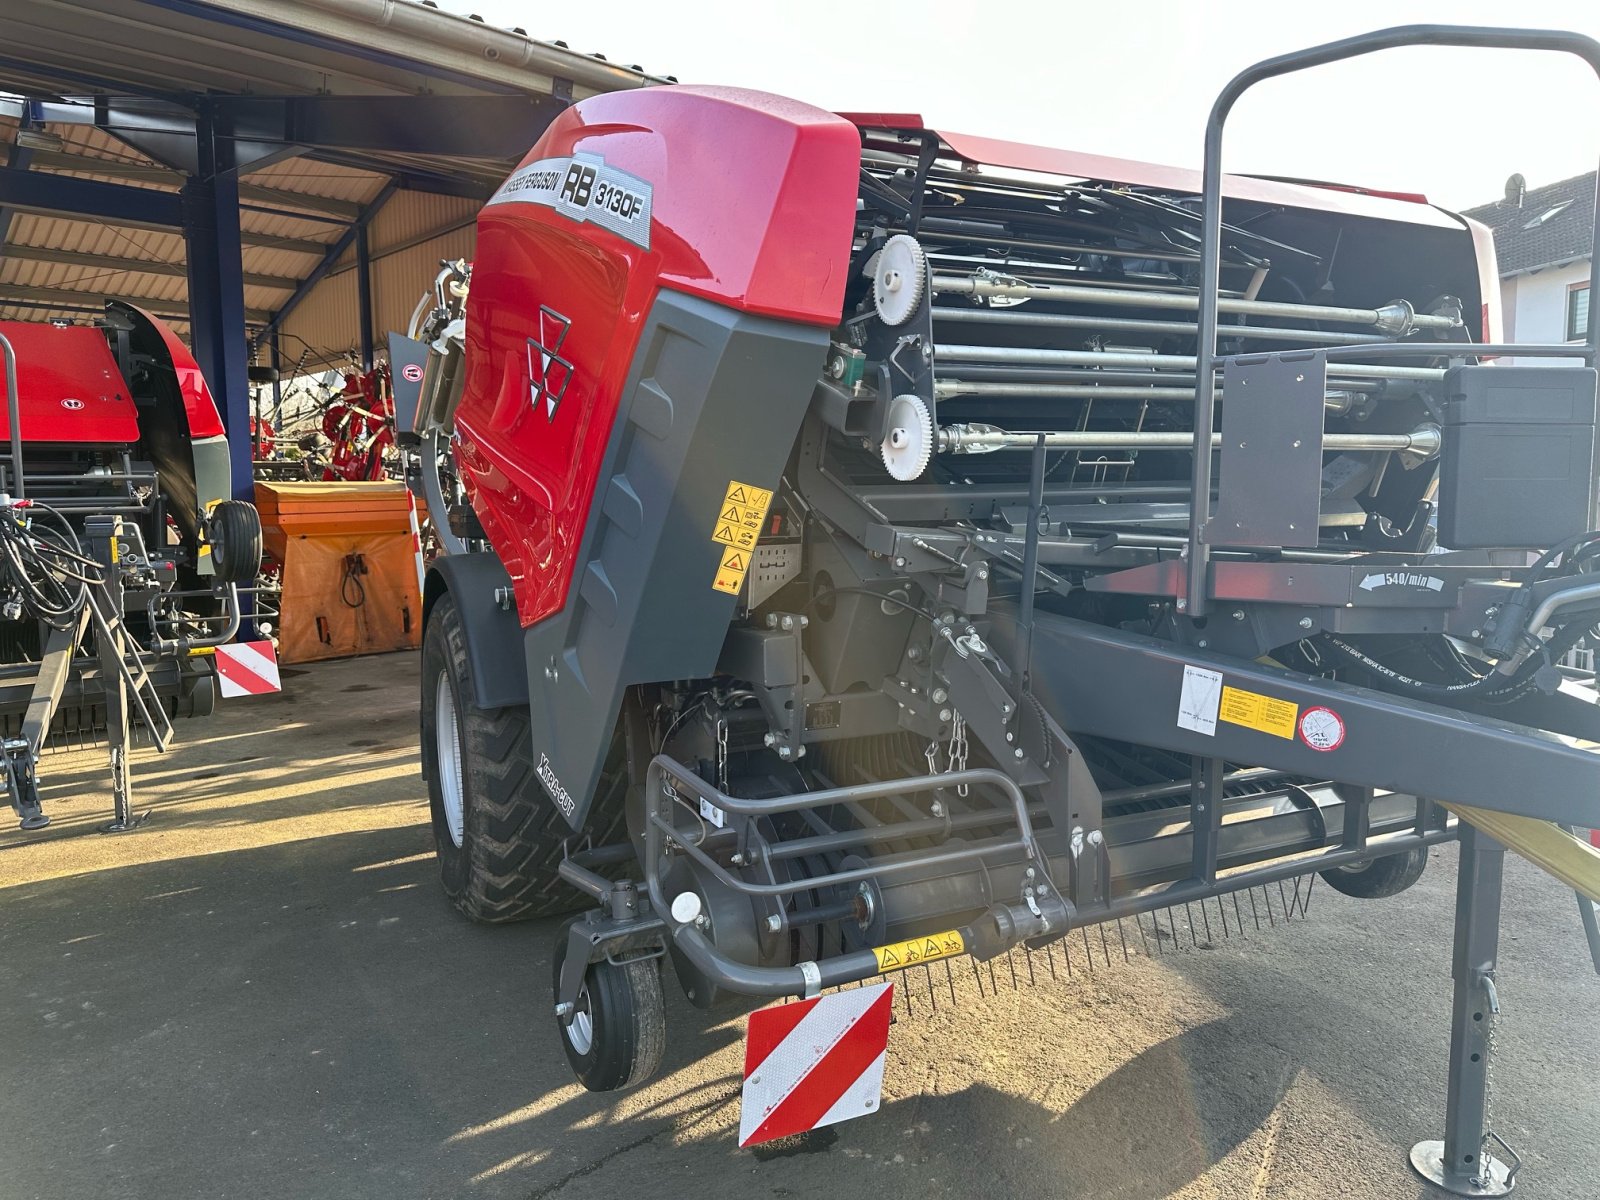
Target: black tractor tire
x,y
616,1037
1386,876
498,837
234,531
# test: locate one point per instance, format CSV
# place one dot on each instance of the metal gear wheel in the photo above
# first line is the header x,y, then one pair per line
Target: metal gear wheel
x,y
899,279
908,446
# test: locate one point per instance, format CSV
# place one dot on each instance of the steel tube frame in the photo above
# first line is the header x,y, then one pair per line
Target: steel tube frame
x,y
657,830
953,285
14,416
1211,304
1032,356
957,439
1003,316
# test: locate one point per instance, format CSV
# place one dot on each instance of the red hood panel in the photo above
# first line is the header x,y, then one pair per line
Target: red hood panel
x,y
1074,164
71,389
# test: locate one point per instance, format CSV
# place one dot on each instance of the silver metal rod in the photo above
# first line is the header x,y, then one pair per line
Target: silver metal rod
x,y
1338,400
1396,319
1005,316
14,415
979,439
1184,362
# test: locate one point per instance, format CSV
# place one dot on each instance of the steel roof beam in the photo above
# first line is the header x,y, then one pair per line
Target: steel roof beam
x,y
66,298
412,179
59,160
114,202
335,252
136,266
499,127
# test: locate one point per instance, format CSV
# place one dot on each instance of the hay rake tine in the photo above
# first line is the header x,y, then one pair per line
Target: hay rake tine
x,y
1123,938
950,976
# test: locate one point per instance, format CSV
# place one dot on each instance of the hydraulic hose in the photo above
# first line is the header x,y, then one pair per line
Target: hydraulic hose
x,y
1492,686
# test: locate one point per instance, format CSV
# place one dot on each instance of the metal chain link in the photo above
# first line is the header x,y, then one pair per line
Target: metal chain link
x,y
958,747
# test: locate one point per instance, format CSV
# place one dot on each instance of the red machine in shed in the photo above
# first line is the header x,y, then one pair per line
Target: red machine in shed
x,y
121,551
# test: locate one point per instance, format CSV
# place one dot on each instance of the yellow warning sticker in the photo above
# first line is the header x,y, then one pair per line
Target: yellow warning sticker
x,y
739,514
730,534
897,956
738,525
730,575
748,495
1255,711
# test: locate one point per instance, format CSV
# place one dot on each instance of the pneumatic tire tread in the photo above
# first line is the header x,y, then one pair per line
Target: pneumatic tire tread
x,y
234,530
507,866
629,1021
1380,878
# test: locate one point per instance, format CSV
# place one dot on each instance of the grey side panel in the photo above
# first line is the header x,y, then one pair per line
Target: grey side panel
x,y
714,396
1125,687
491,632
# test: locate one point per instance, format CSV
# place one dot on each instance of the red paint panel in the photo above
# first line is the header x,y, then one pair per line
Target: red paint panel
x,y
767,1029
204,420
70,387
1076,164
752,206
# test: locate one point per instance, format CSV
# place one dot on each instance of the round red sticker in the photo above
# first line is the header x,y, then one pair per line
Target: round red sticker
x,y
1322,728
411,373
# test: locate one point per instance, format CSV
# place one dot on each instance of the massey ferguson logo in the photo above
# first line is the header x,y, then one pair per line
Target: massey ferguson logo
x,y
1379,579
548,372
547,776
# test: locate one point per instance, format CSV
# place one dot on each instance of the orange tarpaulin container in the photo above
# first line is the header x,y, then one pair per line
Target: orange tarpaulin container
x,y
349,568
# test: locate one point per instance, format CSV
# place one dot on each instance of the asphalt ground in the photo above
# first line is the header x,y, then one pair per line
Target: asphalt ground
x,y
263,994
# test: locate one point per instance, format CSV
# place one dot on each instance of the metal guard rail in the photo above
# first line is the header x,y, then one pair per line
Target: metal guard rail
x,y
1583,47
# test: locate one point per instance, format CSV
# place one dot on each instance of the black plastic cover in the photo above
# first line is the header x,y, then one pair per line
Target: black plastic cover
x,y
1517,468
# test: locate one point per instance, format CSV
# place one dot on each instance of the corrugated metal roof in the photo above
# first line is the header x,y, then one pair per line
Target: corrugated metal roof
x,y
291,210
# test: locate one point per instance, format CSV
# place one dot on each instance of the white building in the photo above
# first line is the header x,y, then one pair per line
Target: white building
x,y
1543,240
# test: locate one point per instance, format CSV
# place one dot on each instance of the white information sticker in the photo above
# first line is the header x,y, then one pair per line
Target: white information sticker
x,y
712,813
1197,703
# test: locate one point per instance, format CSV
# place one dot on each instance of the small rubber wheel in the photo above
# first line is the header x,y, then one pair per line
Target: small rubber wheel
x,y
615,1037
234,531
1386,876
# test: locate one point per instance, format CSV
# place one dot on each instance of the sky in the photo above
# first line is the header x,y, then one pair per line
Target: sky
x,y
1136,78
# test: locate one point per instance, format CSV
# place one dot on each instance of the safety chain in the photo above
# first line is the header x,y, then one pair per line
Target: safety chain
x,y
958,747
956,751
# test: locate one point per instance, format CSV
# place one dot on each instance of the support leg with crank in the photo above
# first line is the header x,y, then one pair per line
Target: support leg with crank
x,y
1463,1163
111,642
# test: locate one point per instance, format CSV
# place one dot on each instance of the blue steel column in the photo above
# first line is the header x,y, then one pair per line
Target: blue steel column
x,y
216,290
364,293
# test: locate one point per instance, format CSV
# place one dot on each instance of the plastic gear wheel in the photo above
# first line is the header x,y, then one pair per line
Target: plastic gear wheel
x,y
899,279
908,446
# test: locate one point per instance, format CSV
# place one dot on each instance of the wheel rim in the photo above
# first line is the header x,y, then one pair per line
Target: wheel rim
x,y
580,1030
447,736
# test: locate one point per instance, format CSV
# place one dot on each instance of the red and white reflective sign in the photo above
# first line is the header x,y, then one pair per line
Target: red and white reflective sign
x,y
814,1063
247,669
